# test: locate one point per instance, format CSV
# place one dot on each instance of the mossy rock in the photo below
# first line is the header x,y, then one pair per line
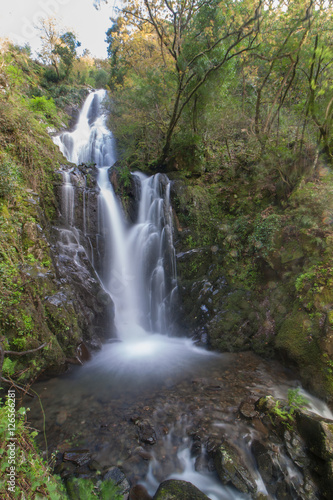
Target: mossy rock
x,y
299,340
232,468
174,489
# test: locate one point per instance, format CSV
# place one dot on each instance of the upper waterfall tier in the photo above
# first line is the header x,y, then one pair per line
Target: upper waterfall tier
x,y
90,141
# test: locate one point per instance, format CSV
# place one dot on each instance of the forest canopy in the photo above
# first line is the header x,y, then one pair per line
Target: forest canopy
x,y
186,73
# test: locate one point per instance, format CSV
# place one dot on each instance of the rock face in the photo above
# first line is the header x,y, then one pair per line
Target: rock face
x,y
306,440
75,244
173,489
252,279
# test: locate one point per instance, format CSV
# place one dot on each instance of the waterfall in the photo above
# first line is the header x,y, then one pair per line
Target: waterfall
x,y
67,199
150,379
138,268
90,141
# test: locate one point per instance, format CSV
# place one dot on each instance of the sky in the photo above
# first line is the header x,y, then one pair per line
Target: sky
x,y
18,18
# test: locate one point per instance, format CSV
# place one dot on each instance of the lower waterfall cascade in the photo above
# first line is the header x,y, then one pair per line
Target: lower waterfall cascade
x,y
150,401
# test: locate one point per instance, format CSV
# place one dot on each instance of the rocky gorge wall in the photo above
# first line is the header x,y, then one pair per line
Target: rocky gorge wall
x,y
255,275
53,297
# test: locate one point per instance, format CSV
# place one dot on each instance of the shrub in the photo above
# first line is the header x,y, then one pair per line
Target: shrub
x,y
9,176
43,106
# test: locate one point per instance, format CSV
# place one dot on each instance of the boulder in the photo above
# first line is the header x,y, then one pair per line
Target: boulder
x,y
232,468
317,433
118,477
174,489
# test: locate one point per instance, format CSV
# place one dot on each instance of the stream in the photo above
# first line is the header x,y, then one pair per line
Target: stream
x,y
151,403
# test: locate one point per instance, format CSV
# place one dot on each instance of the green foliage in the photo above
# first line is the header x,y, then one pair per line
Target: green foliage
x,y
66,50
124,176
296,400
8,367
44,106
266,226
86,489
314,286
285,414
9,176
101,78
33,478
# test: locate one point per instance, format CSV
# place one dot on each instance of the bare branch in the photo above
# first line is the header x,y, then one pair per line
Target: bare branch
x,y
23,353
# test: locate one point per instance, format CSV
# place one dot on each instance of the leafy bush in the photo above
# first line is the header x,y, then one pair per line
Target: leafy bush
x,y
44,106
101,78
9,176
50,76
265,229
85,489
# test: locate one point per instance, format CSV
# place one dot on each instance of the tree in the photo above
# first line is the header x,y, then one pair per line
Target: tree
x,y
66,50
319,76
200,37
50,37
57,48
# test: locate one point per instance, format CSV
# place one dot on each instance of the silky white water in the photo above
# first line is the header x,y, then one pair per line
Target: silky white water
x,y
139,263
139,273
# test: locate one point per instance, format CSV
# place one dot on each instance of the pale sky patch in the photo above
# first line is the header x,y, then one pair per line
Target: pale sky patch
x,y
18,18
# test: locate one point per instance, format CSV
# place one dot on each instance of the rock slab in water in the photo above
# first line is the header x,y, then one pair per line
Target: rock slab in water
x,y
174,489
317,432
231,468
77,457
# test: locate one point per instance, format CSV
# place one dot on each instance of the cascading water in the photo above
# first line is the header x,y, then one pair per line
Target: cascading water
x,y
90,141
139,262
147,374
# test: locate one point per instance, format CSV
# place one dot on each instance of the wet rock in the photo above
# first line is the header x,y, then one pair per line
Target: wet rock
x,y
139,492
296,449
196,447
317,433
247,409
146,432
93,465
318,436
266,455
265,404
231,468
83,353
203,463
78,457
143,453
118,477
264,461
65,469
173,489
